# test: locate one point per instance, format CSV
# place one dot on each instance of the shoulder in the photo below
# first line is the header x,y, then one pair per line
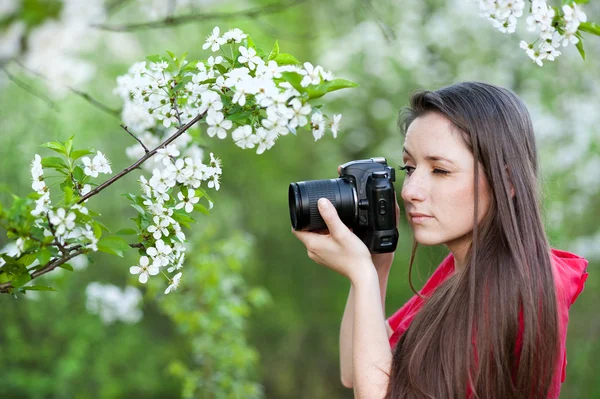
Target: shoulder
x,y
570,274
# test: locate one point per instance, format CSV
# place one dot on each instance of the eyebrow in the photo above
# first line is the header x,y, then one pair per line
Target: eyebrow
x,y
429,157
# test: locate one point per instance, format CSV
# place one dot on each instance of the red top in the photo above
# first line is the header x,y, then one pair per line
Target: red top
x,y
569,275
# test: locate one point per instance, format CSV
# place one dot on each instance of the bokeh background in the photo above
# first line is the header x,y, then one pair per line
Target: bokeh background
x,y
254,316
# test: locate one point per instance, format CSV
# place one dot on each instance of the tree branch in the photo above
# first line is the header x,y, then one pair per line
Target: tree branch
x,y
138,140
114,112
29,89
184,19
141,160
48,268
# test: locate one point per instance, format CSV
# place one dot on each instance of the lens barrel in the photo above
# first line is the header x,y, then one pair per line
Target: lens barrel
x,y
303,197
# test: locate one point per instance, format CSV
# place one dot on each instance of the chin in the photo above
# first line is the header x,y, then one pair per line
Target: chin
x,y
423,238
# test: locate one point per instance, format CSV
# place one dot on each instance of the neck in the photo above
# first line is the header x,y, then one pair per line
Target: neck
x,y
459,252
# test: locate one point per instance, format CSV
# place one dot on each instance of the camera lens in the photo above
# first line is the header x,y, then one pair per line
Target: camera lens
x,y
303,197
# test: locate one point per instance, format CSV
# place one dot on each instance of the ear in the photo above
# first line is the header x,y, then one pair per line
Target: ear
x,y
510,184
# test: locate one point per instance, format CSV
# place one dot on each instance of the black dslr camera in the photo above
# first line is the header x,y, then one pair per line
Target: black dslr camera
x,y
363,196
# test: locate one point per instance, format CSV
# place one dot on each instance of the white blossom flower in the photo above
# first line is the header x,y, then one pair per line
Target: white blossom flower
x,y
160,66
243,137
99,164
144,269
20,245
38,184
318,125
299,111
218,125
249,57
174,283
164,154
62,221
335,124
312,75
159,228
234,35
214,41
210,101
215,163
266,139
42,205
86,189
187,201
160,253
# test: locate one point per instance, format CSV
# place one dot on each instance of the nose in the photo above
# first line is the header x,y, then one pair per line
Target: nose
x,y
413,189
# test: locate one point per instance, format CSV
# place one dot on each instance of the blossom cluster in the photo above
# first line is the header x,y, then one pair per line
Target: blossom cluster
x,y
224,85
61,222
113,304
555,29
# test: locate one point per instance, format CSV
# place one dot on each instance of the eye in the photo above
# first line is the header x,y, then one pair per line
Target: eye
x,y
440,171
408,169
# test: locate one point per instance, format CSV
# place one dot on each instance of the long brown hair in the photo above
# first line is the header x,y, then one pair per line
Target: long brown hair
x,y
465,336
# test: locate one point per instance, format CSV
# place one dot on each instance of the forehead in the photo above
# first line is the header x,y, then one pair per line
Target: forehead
x,y
434,134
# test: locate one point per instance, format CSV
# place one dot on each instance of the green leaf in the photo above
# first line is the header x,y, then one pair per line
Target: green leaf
x,y
286,59
138,208
66,266
183,219
327,87
201,208
155,58
56,146
80,153
274,51
113,245
590,27
238,116
250,42
202,193
126,232
68,192
97,230
44,255
69,145
38,288
28,259
54,163
78,173
173,57
21,280
294,79
579,46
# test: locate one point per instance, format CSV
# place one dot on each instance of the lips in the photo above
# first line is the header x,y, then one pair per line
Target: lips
x,y
418,215
419,218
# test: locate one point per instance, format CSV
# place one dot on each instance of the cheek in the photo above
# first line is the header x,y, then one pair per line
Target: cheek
x,y
455,205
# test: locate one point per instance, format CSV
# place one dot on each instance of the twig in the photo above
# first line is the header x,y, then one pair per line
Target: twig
x,y
138,140
114,112
30,89
48,268
141,160
58,244
184,19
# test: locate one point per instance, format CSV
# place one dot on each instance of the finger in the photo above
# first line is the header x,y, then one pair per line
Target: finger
x,y
339,169
306,237
331,218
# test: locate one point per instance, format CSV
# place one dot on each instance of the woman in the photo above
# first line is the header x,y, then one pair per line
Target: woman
x,y
491,321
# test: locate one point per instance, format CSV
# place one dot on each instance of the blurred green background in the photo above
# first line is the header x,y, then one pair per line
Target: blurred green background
x,y
254,316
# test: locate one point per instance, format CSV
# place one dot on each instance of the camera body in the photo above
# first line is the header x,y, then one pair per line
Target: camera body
x,y
363,195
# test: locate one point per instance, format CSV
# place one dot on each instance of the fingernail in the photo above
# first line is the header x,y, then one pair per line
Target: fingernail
x,y
323,203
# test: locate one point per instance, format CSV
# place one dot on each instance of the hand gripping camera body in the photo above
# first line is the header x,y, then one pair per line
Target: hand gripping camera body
x,y
363,196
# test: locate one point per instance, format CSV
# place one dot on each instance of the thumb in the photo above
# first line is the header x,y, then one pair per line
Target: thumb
x,y
331,217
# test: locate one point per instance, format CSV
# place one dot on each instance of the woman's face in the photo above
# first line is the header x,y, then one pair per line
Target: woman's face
x,y
438,189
